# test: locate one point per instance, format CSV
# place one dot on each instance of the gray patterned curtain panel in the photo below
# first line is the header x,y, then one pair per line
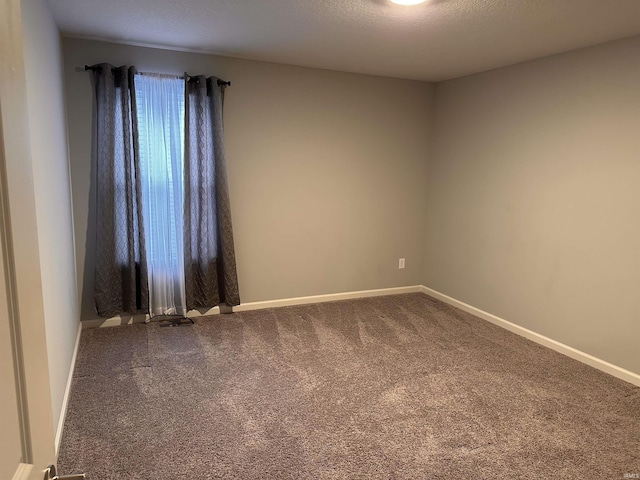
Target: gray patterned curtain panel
x,y
121,271
210,265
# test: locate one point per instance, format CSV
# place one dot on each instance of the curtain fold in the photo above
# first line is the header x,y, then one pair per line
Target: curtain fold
x,y
121,283
210,265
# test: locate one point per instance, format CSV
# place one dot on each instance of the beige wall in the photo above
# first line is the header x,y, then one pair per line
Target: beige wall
x,y
533,197
50,157
326,171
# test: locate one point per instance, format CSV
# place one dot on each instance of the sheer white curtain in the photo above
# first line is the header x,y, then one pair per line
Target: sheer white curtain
x,y
160,115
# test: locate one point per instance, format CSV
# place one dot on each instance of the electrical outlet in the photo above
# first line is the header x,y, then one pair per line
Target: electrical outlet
x,y
401,263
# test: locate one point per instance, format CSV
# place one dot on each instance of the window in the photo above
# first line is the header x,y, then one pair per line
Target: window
x,y
160,117
161,194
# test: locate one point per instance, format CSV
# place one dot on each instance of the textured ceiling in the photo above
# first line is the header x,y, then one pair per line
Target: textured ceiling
x,y
437,40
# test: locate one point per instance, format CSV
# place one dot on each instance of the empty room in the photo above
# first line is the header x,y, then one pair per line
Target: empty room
x,y
342,239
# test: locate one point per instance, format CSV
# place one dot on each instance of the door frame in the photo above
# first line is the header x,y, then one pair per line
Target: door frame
x,y
8,283
20,251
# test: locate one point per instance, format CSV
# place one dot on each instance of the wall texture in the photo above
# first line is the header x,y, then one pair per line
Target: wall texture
x,y
326,170
533,197
52,185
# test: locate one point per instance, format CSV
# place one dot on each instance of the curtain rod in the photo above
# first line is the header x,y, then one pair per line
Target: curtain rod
x,y
220,82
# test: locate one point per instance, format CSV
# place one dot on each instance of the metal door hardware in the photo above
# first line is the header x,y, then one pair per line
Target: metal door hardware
x,y
51,474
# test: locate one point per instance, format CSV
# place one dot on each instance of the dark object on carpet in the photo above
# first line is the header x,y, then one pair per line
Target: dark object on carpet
x,y
177,322
397,387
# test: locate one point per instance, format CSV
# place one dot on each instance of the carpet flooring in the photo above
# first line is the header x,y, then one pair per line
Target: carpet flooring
x,y
396,387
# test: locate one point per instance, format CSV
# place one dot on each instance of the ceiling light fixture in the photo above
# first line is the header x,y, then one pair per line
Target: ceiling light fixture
x,y
408,2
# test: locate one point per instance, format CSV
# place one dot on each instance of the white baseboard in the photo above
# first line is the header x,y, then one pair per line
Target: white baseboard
x,y
114,321
23,472
283,302
331,297
67,391
198,313
583,357
131,319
